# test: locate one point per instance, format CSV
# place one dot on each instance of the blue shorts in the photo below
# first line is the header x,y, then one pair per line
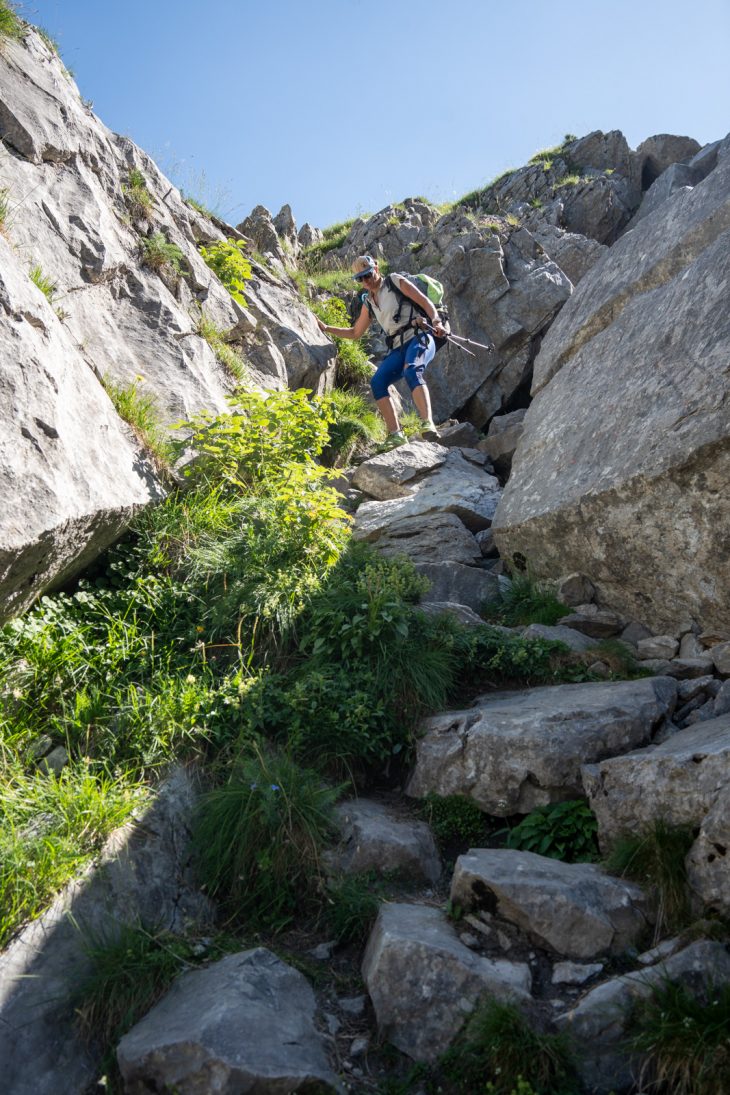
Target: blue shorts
x,y
407,361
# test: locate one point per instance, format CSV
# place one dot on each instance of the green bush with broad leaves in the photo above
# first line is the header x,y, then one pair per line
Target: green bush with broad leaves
x,y
562,830
227,260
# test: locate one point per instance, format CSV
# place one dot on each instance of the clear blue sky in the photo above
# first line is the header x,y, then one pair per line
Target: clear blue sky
x,y
341,106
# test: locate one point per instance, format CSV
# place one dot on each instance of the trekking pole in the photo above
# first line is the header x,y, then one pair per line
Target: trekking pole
x,y
456,340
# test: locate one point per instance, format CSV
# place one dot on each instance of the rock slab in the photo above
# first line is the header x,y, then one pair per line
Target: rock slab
x,y
575,909
245,1023
424,982
514,751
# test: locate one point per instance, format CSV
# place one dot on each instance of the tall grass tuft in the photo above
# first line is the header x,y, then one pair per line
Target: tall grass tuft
x,y
657,857
50,828
684,1039
258,838
526,602
44,283
355,426
10,24
225,353
499,1045
142,413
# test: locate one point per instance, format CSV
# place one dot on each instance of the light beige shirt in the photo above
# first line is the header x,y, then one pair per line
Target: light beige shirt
x,y
386,306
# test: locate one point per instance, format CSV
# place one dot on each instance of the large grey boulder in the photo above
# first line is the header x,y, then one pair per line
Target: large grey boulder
x,y
393,474
71,472
514,751
456,486
143,877
423,982
600,1023
430,538
374,838
625,449
244,1024
464,585
575,909
708,862
678,781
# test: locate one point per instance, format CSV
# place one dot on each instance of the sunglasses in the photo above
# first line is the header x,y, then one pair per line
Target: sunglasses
x,y
364,275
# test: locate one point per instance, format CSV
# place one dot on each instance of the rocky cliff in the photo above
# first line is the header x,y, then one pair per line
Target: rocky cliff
x,y
96,310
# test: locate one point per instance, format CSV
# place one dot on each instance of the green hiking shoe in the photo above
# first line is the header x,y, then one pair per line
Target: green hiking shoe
x,y
392,441
429,432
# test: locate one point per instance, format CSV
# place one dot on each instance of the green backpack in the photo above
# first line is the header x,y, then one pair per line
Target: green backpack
x,y
431,288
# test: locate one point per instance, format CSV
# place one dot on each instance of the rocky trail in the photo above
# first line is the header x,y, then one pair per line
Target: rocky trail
x,y
590,450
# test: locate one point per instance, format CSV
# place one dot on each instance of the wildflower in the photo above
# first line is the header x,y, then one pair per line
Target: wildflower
x,y
275,787
253,786
190,679
139,379
199,628
17,694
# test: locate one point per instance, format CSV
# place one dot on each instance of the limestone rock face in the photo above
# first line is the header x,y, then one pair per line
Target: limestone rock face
x,y
678,781
626,445
708,862
392,474
245,1023
514,751
424,982
600,1022
112,316
71,472
143,877
575,909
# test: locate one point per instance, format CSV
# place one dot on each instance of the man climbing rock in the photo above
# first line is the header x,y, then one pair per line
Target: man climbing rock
x,y
404,313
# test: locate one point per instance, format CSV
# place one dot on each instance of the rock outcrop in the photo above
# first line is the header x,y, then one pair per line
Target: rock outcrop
x,y
626,446
86,209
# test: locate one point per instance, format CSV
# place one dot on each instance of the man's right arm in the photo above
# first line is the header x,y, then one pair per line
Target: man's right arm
x,y
357,330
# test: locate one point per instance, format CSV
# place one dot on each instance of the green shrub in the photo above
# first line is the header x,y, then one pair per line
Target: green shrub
x,y
225,353
656,858
46,286
684,1039
258,838
158,254
563,830
198,206
353,366
334,237
142,413
526,602
351,906
50,828
138,198
455,819
260,439
499,1046
227,260
10,25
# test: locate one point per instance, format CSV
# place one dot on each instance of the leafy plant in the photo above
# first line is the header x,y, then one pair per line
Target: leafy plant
x,y
526,602
142,413
455,819
46,286
138,198
159,254
499,1046
684,1039
10,25
656,858
227,261
258,838
351,905
224,352
563,830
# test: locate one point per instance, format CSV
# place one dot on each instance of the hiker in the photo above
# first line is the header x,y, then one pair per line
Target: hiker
x,y
411,345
